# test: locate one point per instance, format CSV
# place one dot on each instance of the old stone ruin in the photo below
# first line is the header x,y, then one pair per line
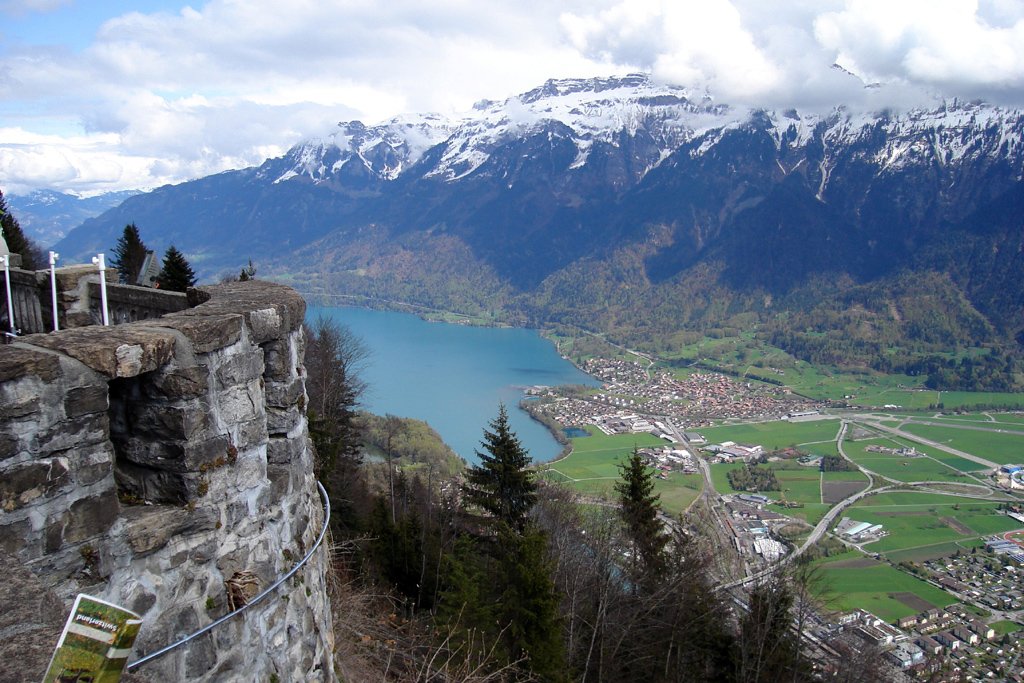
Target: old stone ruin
x,y
165,465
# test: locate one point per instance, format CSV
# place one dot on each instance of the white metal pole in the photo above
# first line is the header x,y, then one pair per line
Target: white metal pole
x,y
53,288
10,302
99,261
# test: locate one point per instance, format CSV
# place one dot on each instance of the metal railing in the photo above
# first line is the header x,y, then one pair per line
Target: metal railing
x,y
270,589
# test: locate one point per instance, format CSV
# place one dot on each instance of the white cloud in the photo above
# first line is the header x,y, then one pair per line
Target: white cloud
x,y
165,96
952,45
695,43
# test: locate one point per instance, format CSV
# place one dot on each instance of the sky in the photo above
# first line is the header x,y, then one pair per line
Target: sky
x,y
107,95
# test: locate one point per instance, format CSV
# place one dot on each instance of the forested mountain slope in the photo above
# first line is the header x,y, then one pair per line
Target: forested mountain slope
x,y
642,210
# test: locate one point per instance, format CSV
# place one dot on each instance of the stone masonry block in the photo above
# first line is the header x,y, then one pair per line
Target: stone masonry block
x,y
207,333
80,401
240,403
241,368
282,420
251,434
282,450
20,486
285,394
277,359
85,431
90,517
169,423
178,383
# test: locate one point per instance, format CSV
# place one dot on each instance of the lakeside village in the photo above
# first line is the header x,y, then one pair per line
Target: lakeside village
x,y
953,640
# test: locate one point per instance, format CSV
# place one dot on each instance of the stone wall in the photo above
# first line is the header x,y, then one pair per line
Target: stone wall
x,y
151,462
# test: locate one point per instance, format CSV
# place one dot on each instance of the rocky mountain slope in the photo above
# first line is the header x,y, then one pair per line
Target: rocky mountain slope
x,y
638,209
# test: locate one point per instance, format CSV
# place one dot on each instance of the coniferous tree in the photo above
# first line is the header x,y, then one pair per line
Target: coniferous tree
x,y
129,254
177,274
502,484
247,273
640,508
32,256
528,607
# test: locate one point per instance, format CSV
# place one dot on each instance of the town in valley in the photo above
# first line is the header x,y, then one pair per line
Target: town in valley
x,y
913,521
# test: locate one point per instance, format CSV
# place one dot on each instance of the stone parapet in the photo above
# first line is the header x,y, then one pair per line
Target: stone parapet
x,y
152,462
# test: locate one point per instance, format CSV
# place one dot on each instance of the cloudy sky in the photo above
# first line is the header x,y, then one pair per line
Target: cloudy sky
x,y
98,96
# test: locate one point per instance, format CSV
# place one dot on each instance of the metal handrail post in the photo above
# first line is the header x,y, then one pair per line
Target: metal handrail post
x,y
53,288
99,261
10,302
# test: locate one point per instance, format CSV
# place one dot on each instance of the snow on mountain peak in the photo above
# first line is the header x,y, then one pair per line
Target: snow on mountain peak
x,y
602,110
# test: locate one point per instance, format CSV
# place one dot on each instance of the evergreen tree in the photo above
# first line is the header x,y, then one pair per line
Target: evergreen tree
x,y
529,605
247,273
639,510
502,484
177,274
129,254
32,256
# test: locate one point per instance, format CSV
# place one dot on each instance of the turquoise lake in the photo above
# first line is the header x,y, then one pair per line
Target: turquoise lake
x,y
455,376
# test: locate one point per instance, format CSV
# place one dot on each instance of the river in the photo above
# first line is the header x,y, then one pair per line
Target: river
x,y
455,376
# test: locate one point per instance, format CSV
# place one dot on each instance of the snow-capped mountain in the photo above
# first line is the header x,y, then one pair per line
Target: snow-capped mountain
x,y
538,199
604,111
47,216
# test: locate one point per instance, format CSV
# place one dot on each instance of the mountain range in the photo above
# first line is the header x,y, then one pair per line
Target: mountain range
x,y
650,213
47,216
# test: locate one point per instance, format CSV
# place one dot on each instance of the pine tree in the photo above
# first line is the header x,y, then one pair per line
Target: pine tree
x,y
129,254
529,605
177,274
640,508
502,484
32,256
248,273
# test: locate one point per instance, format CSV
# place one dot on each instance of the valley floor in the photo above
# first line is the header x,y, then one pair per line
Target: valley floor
x,y
913,519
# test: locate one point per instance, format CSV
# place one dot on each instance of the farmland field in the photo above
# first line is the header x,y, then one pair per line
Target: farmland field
x,y
837,486
850,581
997,447
899,467
776,434
926,524
592,469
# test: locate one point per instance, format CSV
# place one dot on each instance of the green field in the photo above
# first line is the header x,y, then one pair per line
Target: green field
x,y
592,469
813,435
799,485
1003,628
922,525
851,581
902,468
994,446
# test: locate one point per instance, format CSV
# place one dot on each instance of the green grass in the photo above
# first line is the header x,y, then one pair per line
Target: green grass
x,y
799,484
994,446
970,399
901,468
678,491
592,469
720,476
1005,627
597,456
873,586
776,434
926,523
